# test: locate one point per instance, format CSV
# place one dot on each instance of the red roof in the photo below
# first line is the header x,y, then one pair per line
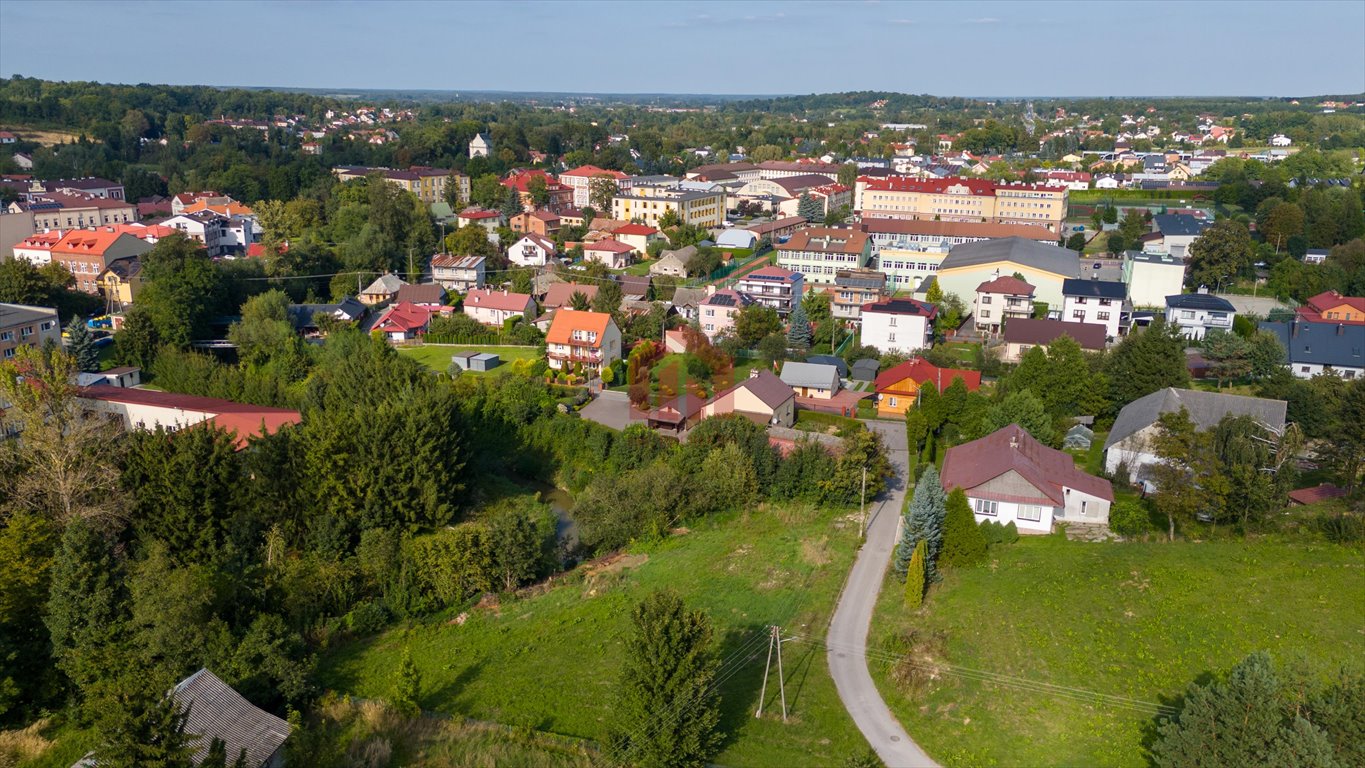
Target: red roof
x,y
84,241
1316,305
519,180
615,246
475,213
592,170
972,464
495,299
569,320
405,317
1007,284
1316,493
243,420
635,229
921,370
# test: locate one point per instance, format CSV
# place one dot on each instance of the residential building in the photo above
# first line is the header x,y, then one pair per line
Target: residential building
x,y
561,294
404,320
489,220
559,196
1010,477
1177,231
919,234
304,316
1332,307
541,223
430,295
851,290
811,380
634,287
772,287
1024,333
580,181
902,326
494,307
588,340
688,301
1101,302
961,199
819,253
531,251
1001,299
1316,255
480,146
458,273
1321,347
637,236
86,253
898,387
88,185
762,398
215,712
181,202
909,270
831,198
149,409
383,289
718,311
120,283
1195,314
673,263
1129,449
59,210
646,203
428,184
37,247
612,253
22,325
209,228
1151,277
23,161
1045,267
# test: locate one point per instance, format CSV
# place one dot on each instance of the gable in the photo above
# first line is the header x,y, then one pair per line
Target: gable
x,y
1011,486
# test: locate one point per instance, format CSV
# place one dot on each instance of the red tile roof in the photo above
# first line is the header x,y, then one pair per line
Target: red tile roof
x,y
1316,305
1007,284
615,246
243,420
921,370
635,229
569,320
520,180
592,170
1316,493
87,241
475,213
404,317
971,464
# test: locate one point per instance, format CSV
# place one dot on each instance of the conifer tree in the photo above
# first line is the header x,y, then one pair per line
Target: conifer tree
x,y
914,580
511,204
923,522
87,603
799,334
81,346
407,685
963,542
807,207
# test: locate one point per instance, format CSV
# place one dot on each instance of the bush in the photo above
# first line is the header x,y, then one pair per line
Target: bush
x,y
963,542
995,533
1129,518
367,617
1339,529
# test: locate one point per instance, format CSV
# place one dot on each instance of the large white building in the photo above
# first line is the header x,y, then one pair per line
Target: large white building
x,y
1099,302
902,326
819,253
1151,277
1195,314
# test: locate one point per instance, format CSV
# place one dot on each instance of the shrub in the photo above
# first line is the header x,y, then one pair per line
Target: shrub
x,y
367,617
914,579
995,533
1129,518
963,542
1340,529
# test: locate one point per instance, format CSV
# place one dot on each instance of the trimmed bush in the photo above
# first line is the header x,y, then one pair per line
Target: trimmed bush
x,y
914,579
1129,518
963,543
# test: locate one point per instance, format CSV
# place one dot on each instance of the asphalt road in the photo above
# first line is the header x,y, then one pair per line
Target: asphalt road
x,y
847,638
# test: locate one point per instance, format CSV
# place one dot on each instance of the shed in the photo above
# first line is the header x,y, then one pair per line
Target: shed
x,y
462,360
866,369
837,362
1078,438
484,361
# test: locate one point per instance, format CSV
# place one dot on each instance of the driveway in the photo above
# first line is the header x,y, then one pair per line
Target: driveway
x,y
611,409
847,638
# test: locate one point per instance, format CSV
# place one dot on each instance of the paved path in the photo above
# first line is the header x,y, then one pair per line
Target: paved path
x,y
853,616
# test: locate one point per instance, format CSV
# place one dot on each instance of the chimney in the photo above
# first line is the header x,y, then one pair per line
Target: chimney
x,y
1341,329
1294,327
504,291
753,373
1014,442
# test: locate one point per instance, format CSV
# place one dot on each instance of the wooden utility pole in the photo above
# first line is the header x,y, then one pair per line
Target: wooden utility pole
x,y
862,508
774,641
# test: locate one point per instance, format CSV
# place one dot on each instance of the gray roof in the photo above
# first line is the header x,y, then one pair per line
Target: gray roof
x,y
14,314
1101,289
837,362
1204,301
1335,344
766,386
688,297
385,284
810,375
1178,224
301,315
1016,250
866,369
217,711
1206,409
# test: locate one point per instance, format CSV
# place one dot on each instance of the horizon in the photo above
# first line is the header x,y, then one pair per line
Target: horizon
x,y
1035,50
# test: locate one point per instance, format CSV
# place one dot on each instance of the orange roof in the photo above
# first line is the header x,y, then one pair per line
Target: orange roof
x,y
592,170
569,320
86,241
41,240
227,209
142,232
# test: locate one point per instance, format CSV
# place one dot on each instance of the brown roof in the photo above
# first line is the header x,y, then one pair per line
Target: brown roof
x,y
765,385
827,240
1316,493
244,420
1007,284
561,294
773,226
426,293
1049,470
1026,330
495,299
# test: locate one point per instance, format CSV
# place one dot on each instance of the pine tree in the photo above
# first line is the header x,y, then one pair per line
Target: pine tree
x,y
924,522
87,603
407,685
511,204
668,710
799,334
963,542
1230,722
914,580
808,207
140,725
81,346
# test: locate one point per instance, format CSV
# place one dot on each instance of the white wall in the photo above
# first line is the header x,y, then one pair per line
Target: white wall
x,y
1091,308
1149,284
1007,512
893,332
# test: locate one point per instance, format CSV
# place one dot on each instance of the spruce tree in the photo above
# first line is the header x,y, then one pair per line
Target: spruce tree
x,y
141,725
668,710
923,522
807,207
87,603
1229,722
511,204
963,542
407,685
914,580
81,346
799,333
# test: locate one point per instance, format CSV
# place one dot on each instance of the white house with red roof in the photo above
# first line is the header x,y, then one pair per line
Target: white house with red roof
x,y
148,409
637,236
580,181
1010,477
531,251
489,220
492,306
405,320
589,340
1000,299
37,247
613,253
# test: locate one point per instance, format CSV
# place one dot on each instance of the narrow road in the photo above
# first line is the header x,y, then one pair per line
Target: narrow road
x,y
853,617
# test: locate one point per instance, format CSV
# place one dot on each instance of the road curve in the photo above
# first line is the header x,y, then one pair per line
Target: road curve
x,y
853,616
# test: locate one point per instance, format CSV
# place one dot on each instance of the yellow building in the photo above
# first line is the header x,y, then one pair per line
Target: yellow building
x,y
959,199
428,184
647,203
120,283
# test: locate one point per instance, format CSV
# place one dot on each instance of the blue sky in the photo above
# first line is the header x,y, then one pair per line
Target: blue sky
x,y
1301,47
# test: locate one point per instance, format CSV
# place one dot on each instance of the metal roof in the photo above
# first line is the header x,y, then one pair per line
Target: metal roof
x,y
1206,409
1103,289
1016,250
1205,301
810,375
1327,343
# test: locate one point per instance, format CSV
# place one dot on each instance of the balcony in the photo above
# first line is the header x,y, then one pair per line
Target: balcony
x,y
576,356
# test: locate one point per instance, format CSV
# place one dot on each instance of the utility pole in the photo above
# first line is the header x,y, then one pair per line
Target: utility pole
x,y
774,641
862,508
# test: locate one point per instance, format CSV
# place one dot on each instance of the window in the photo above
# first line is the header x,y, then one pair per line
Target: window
x,y
985,299
1303,369
1102,315
1105,302
984,507
891,337
892,402
1078,314
985,313
9,353
7,336
710,327
26,332
892,321
710,313
1080,300
1030,512
1186,314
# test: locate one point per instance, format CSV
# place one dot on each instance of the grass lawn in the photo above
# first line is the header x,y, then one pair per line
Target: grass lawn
x,y
965,351
639,268
1137,620
551,661
437,356
828,423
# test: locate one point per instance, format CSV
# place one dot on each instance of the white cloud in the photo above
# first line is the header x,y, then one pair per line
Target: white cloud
x,y
902,21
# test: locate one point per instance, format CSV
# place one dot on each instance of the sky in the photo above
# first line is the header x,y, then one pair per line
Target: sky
x,y
1296,48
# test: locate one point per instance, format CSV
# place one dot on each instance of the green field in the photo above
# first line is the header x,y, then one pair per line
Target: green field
x,y
1135,620
437,356
551,661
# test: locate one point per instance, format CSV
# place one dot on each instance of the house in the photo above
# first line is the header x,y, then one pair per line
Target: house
x,y
404,321
736,238
383,289
614,254
1010,477
431,295
120,283
1177,230
489,220
480,146
637,236
1024,333
561,294
122,376
1280,140
772,287
1001,299
149,409
1195,314
23,325
1332,307
23,161
531,251
837,362
303,316
688,302
214,711
1151,277
673,263
762,398
541,223
495,307
811,380
1130,439
634,287
1316,255
580,181
677,413
1315,494
1101,302
851,290
902,326
86,253
589,340
458,273
818,253
717,312
898,387
1312,347
559,195
60,210
1042,266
